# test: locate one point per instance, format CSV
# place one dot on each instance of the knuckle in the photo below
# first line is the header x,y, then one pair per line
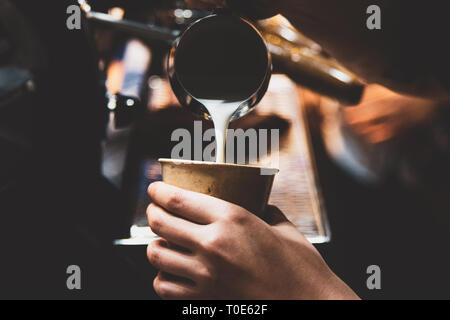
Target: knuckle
x,y
206,274
175,201
154,257
159,288
163,289
149,249
155,222
152,188
150,210
208,245
234,214
213,244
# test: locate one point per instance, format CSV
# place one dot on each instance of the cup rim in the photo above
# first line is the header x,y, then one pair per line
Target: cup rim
x,y
217,164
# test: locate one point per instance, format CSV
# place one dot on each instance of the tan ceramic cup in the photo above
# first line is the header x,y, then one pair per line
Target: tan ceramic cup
x,y
246,186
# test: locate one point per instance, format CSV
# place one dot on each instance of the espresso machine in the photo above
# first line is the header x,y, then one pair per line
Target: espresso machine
x,y
134,98
134,40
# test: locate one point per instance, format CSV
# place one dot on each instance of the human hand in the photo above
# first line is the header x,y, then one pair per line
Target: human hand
x,y
212,249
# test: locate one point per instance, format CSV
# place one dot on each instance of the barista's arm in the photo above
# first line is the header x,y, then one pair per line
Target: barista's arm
x,y
212,249
408,55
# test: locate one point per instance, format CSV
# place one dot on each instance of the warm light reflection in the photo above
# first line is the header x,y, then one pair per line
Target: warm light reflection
x,y
117,13
115,76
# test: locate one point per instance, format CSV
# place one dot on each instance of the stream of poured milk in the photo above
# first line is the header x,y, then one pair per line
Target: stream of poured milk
x,y
221,112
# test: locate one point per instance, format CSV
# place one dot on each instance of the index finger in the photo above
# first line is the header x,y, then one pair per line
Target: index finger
x,y
197,207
